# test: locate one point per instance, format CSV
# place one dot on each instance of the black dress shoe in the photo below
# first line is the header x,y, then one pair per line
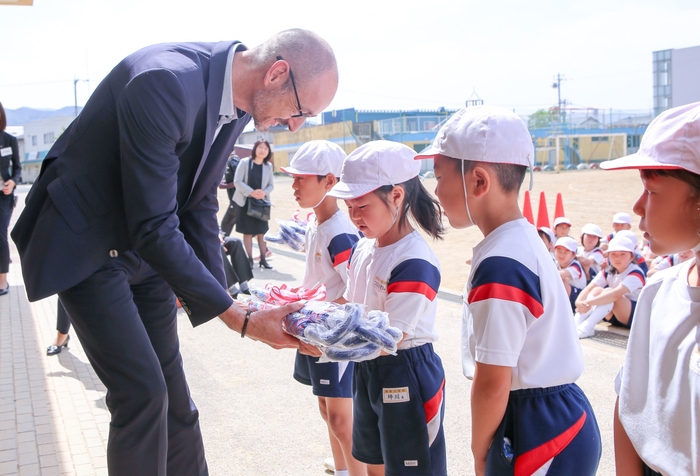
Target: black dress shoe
x,y
56,349
5,291
263,264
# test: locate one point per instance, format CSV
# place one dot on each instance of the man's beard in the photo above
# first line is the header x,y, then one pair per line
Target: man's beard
x,y
262,103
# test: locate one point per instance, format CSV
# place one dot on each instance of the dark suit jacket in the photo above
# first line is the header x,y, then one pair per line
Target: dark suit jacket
x,y
137,170
10,167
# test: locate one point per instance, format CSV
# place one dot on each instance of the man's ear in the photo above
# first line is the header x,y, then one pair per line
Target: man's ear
x,y
478,181
277,75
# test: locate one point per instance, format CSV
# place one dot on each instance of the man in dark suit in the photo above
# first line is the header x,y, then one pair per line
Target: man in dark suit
x,y
124,213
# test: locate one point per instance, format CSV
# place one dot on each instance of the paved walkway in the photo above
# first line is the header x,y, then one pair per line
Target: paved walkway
x,y
255,419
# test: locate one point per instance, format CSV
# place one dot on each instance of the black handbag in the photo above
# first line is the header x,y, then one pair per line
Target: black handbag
x,y
259,208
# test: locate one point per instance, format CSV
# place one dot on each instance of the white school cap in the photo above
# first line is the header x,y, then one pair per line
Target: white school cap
x,y
629,234
561,221
568,243
592,229
622,217
373,165
672,141
484,134
547,231
317,157
621,243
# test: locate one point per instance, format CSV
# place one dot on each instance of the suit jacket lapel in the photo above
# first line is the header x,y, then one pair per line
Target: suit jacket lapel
x,y
215,86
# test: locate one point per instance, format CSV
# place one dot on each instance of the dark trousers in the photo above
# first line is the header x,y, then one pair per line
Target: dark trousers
x,y
125,317
229,219
5,215
238,268
62,318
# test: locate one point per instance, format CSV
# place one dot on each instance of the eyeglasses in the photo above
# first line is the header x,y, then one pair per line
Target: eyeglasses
x,y
301,113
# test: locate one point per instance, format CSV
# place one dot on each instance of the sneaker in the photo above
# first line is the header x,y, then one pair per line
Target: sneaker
x,y
584,333
329,464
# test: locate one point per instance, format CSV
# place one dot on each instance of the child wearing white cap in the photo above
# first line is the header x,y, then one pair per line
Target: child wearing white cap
x,y
612,294
398,400
657,417
620,221
590,254
548,238
562,227
570,270
519,342
638,258
329,239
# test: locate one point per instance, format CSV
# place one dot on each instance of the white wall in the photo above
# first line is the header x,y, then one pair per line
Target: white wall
x,y
685,76
39,136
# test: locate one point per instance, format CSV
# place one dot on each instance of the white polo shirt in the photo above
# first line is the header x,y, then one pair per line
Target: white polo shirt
x,y
516,311
575,270
328,248
596,254
659,383
402,279
632,278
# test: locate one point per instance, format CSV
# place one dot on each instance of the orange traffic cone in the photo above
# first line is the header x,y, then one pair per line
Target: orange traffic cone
x,y
542,215
527,208
559,207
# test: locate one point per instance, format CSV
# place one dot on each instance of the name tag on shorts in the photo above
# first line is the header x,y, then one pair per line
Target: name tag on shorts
x,y
410,462
695,360
396,395
323,381
5,151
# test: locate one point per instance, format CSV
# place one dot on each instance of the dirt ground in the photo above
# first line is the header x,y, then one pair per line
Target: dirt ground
x,y
589,196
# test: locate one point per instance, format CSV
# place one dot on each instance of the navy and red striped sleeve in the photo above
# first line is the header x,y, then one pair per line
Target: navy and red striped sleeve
x,y
578,267
415,276
638,274
499,277
340,248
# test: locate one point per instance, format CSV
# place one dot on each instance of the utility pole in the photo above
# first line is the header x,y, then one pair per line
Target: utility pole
x,y
75,94
557,85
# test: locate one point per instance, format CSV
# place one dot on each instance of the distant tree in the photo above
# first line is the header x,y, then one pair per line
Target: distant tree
x,y
540,118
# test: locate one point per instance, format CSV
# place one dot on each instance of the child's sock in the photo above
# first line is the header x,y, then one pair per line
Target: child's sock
x,y
580,317
596,315
341,472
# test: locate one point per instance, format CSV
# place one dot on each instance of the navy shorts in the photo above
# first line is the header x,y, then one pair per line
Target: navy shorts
x,y
330,379
546,428
399,406
613,320
573,297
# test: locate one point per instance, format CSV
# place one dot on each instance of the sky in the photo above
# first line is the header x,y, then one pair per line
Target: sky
x,y
391,54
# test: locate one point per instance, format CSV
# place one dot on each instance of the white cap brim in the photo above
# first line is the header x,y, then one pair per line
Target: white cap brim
x,y
293,171
636,161
348,191
428,154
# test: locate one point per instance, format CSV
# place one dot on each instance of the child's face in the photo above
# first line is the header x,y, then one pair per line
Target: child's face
x,y
562,230
371,215
620,260
450,190
666,208
308,190
563,255
621,226
589,241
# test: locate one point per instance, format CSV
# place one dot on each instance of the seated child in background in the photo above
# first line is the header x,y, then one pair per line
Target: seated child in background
x,y
621,221
517,317
667,261
329,239
562,227
638,258
399,400
590,255
570,270
613,292
547,236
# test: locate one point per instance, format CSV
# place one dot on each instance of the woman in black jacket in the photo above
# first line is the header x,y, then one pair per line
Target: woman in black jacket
x,y
10,170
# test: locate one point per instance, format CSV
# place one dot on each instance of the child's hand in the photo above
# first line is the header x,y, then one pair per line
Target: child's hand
x,y
582,306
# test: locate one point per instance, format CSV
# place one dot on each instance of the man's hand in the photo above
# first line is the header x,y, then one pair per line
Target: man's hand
x,y
258,194
265,326
8,187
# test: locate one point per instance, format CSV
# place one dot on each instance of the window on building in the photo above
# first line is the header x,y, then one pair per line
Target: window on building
x,y
33,140
48,138
599,139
